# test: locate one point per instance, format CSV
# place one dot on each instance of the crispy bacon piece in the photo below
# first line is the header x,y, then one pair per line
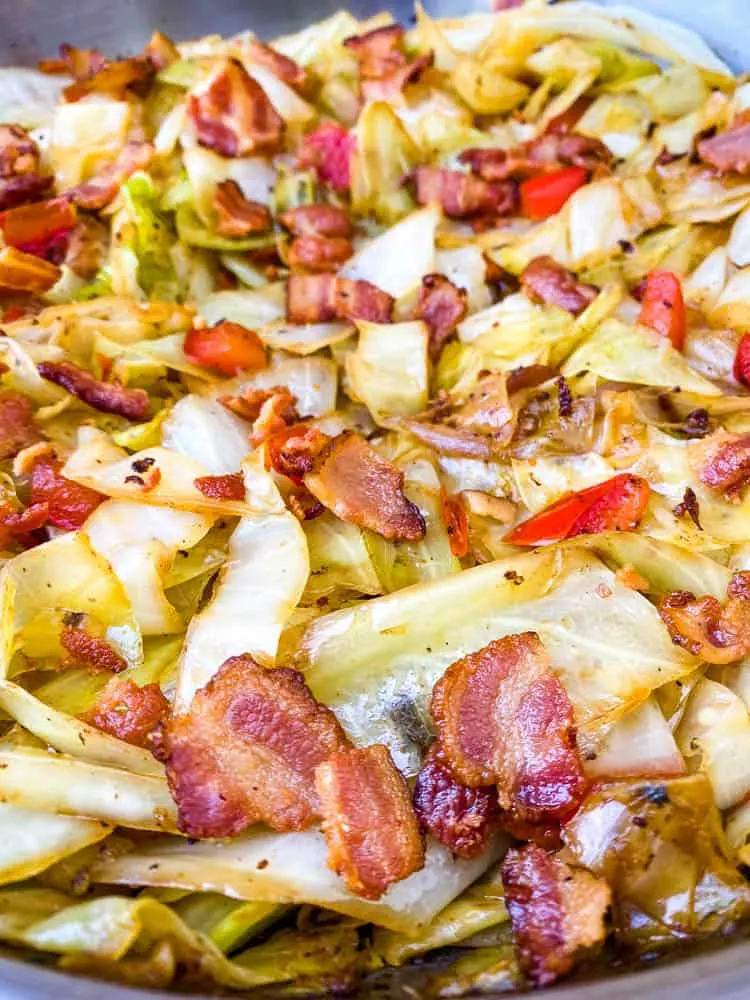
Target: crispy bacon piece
x,y
320,298
87,245
282,66
41,229
21,179
388,88
127,711
317,220
23,272
91,651
463,195
545,154
161,51
728,152
228,487
462,818
504,718
81,64
702,627
268,410
68,503
22,526
233,116
97,192
556,911
368,820
724,463
442,306
328,150
319,254
247,751
107,397
17,429
379,52
546,281
351,479
303,504
236,214
295,451
99,76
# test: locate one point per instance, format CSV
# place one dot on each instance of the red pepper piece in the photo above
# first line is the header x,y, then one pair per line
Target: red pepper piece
x,y
663,307
545,195
228,348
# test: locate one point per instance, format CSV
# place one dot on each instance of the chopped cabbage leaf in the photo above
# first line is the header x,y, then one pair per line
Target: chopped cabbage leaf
x,y
205,431
389,370
31,841
400,257
385,154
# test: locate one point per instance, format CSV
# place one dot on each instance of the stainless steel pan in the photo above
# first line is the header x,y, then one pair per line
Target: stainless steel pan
x,y
31,29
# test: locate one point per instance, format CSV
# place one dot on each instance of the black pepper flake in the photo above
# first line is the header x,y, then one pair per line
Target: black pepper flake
x,y
696,423
656,794
639,821
135,479
142,464
74,619
689,505
626,246
564,396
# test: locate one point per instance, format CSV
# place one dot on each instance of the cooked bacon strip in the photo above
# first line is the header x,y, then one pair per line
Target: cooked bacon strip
x,y
23,272
21,179
546,281
237,215
268,410
545,154
17,429
368,820
127,711
247,750
81,64
319,254
107,397
388,88
282,66
68,503
97,192
228,487
114,79
463,195
462,818
504,718
320,298
295,451
91,651
556,911
317,220
232,115
351,479
728,152
303,504
328,150
702,627
87,246
21,526
41,229
442,306
161,51
723,463
380,52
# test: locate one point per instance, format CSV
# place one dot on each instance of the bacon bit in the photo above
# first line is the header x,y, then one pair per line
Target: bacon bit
x,y
528,377
702,627
282,66
458,442
741,368
547,282
689,505
555,911
462,195
91,651
21,526
545,154
237,215
229,487
389,88
442,306
161,51
127,711
303,504
317,220
39,229
20,168
97,192
320,298
294,451
247,750
724,463
456,524
81,64
114,79
354,482
23,272
107,397
270,409
462,818
319,254
69,503
232,114
226,347
368,820
329,150
17,429
729,151
504,718
379,52
86,247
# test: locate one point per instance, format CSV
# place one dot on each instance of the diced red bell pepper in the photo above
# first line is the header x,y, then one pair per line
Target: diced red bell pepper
x,y
615,505
742,360
228,348
39,227
545,195
457,524
69,503
663,307
19,526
